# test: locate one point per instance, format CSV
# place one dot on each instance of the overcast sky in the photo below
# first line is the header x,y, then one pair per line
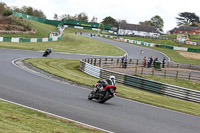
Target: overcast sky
x,y
133,11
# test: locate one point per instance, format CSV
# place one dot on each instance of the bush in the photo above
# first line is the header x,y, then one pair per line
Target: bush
x,y
7,13
8,28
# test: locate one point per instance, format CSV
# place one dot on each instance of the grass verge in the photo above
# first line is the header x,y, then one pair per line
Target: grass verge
x,y
194,85
70,43
61,67
17,119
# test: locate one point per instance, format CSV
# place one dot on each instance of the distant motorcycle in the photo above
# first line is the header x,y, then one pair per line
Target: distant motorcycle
x,y
102,93
47,52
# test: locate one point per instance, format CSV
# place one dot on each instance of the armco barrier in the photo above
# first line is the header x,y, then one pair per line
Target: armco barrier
x,y
141,83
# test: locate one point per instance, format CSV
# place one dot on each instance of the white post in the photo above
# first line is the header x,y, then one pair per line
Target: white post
x,y
141,52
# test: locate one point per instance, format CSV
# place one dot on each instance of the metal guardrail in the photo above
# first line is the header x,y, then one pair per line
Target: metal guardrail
x,y
141,83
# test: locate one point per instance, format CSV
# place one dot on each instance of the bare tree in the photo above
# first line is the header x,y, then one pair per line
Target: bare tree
x,y
94,19
55,17
82,17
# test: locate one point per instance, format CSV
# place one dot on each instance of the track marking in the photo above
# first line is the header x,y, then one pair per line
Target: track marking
x,y
87,125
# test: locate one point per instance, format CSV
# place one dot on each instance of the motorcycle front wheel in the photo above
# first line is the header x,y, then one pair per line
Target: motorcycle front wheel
x,y
90,96
103,98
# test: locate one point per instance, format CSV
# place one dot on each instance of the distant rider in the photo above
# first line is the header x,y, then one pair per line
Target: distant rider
x,y
49,50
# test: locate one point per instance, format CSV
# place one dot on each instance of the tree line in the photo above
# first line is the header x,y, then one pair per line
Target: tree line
x,y
183,19
6,10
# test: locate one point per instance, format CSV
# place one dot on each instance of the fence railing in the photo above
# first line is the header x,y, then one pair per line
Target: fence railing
x,y
136,67
116,62
141,83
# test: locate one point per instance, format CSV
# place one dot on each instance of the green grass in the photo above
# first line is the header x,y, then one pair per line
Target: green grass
x,y
70,43
175,36
69,69
42,31
176,57
16,119
194,85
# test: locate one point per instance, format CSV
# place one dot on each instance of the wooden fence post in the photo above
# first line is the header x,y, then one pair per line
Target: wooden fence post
x,y
153,70
95,61
112,62
142,71
189,76
177,74
117,62
100,62
136,70
168,64
91,61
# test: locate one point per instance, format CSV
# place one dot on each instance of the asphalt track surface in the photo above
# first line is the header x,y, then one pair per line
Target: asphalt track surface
x,y
116,115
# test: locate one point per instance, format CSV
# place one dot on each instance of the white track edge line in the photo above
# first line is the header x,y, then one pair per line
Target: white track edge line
x,y
87,125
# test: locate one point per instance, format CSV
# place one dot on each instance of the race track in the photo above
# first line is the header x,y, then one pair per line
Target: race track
x,y
70,101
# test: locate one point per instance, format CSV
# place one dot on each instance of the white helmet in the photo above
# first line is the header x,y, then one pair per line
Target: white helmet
x,y
112,77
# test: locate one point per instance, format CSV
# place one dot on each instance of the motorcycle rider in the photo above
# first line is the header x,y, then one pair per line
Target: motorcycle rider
x,y
49,50
111,80
103,83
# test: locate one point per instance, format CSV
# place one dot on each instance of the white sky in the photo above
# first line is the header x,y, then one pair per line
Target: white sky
x,y
131,10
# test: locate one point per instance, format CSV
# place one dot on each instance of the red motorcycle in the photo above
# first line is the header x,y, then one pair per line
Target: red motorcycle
x,y
102,92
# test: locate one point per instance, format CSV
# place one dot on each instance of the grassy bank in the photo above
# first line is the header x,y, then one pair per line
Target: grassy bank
x,y
42,31
70,43
17,119
194,85
61,67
